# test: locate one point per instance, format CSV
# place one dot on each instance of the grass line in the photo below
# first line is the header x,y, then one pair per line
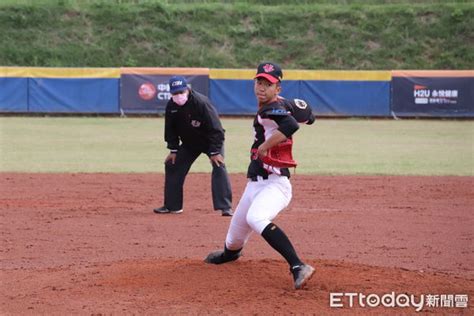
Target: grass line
x,y
411,147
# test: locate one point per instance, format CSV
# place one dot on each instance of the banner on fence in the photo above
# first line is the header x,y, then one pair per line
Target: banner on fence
x,y
146,90
433,93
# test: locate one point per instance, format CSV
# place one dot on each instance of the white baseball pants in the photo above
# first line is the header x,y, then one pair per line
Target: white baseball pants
x,y
260,203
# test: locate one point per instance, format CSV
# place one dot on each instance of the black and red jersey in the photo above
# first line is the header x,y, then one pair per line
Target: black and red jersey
x,y
282,115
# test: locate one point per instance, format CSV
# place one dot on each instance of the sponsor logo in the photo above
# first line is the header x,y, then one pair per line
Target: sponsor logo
x,y
279,112
163,92
425,95
147,91
195,123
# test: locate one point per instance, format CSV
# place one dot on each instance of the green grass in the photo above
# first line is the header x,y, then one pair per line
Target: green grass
x,y
322,34
354,146
79,3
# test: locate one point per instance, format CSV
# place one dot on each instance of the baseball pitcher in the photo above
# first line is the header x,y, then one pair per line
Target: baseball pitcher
x,y
268,190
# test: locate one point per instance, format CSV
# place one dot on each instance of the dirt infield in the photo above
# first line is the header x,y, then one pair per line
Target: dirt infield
x,y
90,244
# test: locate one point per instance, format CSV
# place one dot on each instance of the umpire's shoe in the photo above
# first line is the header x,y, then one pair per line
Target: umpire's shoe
x,y
302,274
227,212
223,256
164,210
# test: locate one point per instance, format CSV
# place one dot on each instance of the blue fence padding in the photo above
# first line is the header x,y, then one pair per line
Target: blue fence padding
x,y
347,98
232,96
330,93
65,95
13,94
332,98
290,89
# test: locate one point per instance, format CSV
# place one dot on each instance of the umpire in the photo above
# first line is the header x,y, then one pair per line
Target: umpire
x,y
192,127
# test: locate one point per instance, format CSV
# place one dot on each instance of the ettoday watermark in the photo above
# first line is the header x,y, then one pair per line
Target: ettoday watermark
x,y
392,299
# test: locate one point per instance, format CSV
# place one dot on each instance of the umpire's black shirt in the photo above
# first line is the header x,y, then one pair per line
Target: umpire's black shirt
x,y
196,124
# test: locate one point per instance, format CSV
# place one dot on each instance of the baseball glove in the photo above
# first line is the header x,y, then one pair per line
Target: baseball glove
x,y
280,156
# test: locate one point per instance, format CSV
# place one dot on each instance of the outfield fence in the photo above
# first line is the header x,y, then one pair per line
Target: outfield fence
x,y
146,91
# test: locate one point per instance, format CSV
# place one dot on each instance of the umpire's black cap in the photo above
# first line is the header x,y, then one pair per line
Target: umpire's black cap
x,y
270,71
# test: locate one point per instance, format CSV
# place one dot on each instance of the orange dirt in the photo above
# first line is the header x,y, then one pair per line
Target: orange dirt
x,y
90,244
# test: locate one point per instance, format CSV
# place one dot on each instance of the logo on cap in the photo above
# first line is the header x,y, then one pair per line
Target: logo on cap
x,y
268,68
177,84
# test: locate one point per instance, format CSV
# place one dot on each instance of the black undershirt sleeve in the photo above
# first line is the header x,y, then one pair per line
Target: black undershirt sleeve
x,y
286,124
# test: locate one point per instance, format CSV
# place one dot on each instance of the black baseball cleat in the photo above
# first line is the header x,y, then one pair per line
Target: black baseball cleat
x,y
164,210
222,256
301,275
227,212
